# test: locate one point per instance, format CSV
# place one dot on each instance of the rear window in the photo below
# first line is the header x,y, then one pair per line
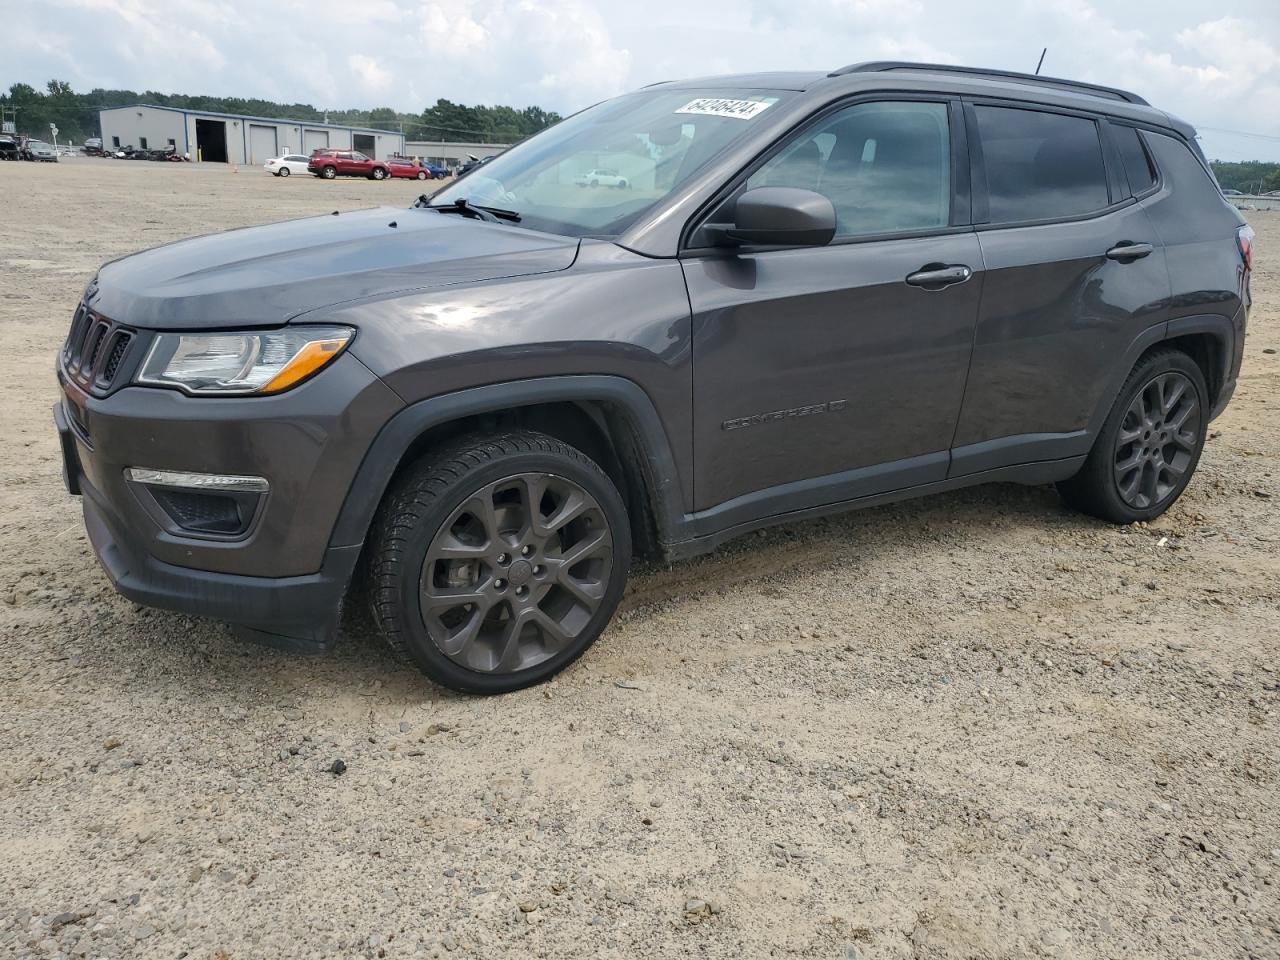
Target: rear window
x,y
1137,165
1041,166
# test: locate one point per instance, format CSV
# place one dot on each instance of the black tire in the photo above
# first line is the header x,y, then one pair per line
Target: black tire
x,y
284,172
410,529
1137,474
423,175
329,172
377,173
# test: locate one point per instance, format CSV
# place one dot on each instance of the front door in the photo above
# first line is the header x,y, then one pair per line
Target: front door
x,y
826,373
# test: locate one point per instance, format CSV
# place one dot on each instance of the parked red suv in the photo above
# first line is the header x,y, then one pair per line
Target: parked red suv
x,y
329,163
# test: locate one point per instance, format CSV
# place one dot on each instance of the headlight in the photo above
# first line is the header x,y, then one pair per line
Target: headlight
x,y
241,363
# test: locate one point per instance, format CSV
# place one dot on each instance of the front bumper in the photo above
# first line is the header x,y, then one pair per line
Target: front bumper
x,y
283,576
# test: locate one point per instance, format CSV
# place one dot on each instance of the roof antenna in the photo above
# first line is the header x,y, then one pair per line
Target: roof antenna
x,y
1041,63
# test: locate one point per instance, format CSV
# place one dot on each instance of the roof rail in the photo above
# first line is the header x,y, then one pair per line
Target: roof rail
x,y
883,66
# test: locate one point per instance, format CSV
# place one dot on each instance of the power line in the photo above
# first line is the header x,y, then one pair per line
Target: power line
x,y
1241,133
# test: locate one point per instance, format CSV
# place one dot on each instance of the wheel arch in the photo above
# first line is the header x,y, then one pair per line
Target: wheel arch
x,y
1209,340
609,418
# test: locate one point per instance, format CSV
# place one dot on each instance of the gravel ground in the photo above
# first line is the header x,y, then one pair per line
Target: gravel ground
x,y
970,726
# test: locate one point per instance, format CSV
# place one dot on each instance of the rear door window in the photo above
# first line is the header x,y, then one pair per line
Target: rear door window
x,y
1137,165
1040,166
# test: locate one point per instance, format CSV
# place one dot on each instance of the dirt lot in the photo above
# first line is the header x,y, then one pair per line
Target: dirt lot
x,y
972,726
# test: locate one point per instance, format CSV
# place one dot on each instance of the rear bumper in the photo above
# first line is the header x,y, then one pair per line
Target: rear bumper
x,y
299,613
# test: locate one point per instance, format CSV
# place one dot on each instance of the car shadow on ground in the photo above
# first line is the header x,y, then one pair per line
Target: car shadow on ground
x,y
171,647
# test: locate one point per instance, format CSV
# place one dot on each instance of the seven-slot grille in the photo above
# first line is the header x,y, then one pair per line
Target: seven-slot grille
x,y
95,349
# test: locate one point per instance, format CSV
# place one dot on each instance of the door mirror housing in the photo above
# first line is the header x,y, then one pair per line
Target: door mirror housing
x,y
782,216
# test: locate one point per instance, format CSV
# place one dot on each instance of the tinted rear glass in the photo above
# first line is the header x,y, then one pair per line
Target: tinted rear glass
x,y
1137,166
1041,166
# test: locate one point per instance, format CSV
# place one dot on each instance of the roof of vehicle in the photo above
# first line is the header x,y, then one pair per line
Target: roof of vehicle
x,y
777,80
975,81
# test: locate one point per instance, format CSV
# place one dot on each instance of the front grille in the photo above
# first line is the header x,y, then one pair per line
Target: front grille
x,y
119,347
95,349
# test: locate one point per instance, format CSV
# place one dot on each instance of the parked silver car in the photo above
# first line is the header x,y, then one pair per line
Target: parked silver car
x,y
39,150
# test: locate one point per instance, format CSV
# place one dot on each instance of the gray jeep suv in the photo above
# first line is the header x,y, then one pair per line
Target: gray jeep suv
x,y
819,291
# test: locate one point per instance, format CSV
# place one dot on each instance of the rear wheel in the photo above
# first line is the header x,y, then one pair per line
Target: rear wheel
x,y
1149,445
329,173
496,563
284,172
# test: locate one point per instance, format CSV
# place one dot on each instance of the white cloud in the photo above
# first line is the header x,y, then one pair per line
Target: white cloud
x,y
1218,68
371,77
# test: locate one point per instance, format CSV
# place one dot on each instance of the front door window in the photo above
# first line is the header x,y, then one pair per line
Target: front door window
x,y
886,167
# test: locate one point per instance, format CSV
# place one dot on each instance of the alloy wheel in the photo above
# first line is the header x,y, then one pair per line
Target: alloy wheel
x,y
1157,440
516,573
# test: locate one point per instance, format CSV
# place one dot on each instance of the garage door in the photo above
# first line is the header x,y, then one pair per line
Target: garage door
x,y
262,143
313,140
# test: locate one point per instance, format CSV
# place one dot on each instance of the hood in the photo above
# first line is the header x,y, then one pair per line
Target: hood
x,y
263,276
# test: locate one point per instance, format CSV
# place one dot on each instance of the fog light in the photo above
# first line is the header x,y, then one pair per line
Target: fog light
x,y
198,481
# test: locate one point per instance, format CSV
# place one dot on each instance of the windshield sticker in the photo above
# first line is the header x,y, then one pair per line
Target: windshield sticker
x,y
716,107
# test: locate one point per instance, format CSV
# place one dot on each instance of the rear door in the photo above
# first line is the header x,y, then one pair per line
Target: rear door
x,y
826,373
1074,273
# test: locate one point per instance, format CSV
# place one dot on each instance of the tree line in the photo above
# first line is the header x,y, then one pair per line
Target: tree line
x,y
1249,176
76,114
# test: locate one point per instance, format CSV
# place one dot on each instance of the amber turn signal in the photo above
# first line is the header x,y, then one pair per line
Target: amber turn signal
x,y
314,356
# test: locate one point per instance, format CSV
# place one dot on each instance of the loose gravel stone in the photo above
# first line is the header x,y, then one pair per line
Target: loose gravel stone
x,y
822,722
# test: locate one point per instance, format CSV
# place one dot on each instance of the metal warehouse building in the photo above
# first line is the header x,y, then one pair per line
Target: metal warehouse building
x,y
233,138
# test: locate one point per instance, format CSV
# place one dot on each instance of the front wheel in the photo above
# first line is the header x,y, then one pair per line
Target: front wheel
x,y
1149,445
422,174
498,561
378,173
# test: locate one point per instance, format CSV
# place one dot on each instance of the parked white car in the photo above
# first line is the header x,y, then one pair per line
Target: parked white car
x,y
602,177
284,166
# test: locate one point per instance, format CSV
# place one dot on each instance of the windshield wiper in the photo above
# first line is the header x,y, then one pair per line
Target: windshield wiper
x,y
468,209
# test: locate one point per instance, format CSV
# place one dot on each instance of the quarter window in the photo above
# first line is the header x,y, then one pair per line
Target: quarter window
x,y
885,166
1040,166
1137,166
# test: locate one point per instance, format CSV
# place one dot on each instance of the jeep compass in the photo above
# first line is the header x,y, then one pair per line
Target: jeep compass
x,y
819,291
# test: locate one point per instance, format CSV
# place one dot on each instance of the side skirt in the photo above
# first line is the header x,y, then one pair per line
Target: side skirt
x,y
1046,471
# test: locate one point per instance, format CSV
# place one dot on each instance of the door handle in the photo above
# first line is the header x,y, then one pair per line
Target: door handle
x,y
1126,252
935,276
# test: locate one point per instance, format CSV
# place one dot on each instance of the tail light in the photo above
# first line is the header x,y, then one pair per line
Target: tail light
x,y
1244,240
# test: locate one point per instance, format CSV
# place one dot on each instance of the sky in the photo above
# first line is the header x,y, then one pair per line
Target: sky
x,y
1216,64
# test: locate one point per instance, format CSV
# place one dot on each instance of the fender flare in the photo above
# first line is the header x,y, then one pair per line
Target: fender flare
x,y
399,433
1222,328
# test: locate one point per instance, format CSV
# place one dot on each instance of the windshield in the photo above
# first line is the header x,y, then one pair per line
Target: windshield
x,y
596,173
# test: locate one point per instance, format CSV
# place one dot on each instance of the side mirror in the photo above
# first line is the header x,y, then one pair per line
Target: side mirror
x,y
783,216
